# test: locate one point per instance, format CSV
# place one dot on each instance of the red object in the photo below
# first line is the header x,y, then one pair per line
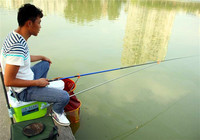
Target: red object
x,y
74,103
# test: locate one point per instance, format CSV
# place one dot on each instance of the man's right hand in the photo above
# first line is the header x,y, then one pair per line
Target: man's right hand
x,y
42,82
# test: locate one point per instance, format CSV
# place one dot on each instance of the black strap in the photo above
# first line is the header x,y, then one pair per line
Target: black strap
x,y
52,135
15,94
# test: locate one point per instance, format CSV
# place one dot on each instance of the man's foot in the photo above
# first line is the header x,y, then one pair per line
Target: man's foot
x,y
61,119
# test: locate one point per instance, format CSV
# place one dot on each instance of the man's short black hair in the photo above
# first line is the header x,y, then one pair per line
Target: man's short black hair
x,y
28,12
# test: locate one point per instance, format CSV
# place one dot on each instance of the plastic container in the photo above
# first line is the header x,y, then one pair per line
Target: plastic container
x,y
74,115
72,109
23,111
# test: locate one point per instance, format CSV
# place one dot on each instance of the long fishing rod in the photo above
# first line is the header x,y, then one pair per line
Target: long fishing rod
x,y
120,68
127,74
111,80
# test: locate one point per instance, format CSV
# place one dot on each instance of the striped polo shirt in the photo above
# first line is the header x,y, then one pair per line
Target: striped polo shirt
x,y
15,52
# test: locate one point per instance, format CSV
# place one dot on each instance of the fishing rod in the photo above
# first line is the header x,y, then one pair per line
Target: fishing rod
x,y
111,80
120,68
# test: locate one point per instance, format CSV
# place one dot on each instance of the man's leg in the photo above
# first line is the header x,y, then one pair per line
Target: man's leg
x,y
59,98
40,69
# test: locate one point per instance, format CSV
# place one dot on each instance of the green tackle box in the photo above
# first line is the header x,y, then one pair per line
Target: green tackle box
x,y
23,111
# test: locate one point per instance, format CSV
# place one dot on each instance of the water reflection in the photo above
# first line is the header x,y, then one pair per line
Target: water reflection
x,y
147,34
75,127
81,11
148,27
186,6
47,6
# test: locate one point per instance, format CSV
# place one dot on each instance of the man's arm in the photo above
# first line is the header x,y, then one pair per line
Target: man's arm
x,y
11,80
39,57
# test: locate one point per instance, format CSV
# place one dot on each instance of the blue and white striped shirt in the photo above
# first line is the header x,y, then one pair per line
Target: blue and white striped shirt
x,y
15,45
15,52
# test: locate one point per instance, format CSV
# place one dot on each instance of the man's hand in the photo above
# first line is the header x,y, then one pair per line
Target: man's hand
x,y
42,82
11,80
46,59
39,57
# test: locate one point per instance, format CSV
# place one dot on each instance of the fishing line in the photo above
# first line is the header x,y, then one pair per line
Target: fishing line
x,y
108,81
130,132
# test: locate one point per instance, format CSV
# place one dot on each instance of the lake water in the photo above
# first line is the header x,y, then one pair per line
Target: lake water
x,y
161,102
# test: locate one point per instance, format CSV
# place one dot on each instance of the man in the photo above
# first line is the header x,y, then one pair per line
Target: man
x,y
30,82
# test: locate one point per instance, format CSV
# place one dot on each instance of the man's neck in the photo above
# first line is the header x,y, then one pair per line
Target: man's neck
x,y
23,32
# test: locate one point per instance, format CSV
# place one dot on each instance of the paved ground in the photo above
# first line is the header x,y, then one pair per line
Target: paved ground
x,y
65,133
4,119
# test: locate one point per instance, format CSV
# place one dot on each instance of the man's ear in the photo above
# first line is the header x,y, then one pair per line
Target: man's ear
x,y
29,23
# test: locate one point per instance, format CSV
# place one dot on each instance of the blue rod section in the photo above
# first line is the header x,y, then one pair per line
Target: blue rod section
x,y
91,73
97,72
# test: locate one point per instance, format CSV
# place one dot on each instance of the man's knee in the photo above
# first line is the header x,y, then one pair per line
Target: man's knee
x,y
45,64
64,97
